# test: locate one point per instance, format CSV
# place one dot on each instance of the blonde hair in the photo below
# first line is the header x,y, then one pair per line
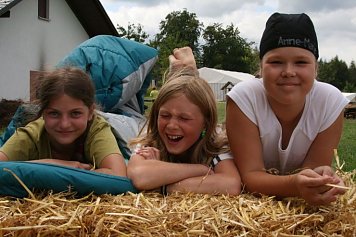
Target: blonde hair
x,y
187,81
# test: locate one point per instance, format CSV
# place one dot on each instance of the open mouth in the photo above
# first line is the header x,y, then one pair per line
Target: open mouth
x,y
174,138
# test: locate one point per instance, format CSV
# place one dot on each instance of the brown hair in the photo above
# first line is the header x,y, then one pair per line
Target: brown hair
x,y
71,81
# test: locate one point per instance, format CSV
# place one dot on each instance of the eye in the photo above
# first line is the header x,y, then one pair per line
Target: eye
x,y
275,62
53,114
163,115
301,62
182,118
76,114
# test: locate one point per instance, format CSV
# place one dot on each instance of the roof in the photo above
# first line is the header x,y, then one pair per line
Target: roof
x,y
213,75
6,5
90,13
227,85
350,96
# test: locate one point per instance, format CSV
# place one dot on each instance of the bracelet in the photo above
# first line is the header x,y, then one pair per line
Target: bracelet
x,y
164,190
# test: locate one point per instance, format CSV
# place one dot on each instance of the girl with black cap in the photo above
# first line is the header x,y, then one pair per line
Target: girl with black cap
x,y
287,123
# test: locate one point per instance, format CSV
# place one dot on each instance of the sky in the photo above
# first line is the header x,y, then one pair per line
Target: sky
x,y
334,20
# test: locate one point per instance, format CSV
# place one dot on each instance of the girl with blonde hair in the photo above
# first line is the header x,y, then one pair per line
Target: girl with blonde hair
x,y
181,149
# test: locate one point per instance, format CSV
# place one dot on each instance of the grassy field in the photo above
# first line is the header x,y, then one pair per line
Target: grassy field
x,y
347,146
221,111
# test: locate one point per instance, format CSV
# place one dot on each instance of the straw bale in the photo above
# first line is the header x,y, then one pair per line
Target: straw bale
x,y
151,214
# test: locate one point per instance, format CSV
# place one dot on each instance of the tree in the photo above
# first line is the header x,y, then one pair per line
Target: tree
x,y
165,49
334,72
351,83
132,32
226,49
180,28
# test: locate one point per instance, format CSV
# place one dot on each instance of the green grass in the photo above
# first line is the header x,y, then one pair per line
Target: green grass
x,y
347,146
221,111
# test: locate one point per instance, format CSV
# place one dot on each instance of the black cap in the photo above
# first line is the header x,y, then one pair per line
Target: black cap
x,y
289,30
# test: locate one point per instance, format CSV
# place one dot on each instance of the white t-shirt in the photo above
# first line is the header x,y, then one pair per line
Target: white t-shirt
x,y
323,105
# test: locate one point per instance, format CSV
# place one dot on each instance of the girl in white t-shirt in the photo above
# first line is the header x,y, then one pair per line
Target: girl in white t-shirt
x,y
287,123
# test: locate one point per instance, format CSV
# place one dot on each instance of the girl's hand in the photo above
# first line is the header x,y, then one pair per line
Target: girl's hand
x,y
312,187
327,171
149,153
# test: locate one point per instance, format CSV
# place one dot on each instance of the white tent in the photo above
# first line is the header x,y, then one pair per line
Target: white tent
x,y
219,78
350,96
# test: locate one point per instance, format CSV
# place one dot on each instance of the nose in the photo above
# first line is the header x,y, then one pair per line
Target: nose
x,y
172,123
289,70
64,122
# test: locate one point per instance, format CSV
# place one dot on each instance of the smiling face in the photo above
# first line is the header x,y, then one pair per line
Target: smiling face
x,y
180,123
288,75
66,119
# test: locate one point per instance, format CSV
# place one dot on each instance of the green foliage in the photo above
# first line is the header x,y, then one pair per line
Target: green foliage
x,y
165,49
132,32
337,73
350,85
225,49
180,28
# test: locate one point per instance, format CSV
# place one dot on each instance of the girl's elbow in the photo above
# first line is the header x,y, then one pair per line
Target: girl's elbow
x,y
138,184
231,186
234,187
134,173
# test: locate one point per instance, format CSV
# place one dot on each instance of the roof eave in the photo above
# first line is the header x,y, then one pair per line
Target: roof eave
x,y
9,6
88,12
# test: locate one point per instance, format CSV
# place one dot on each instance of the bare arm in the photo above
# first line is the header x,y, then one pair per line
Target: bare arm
x,y
321,151
224,180
113,164
74,164
69,163
3,157
247,149
147,174
319,160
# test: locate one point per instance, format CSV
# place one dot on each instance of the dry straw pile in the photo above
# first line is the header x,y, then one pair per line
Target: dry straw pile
x,y
151,214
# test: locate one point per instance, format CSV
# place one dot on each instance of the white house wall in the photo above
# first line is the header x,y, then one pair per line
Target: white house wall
x,y
28,43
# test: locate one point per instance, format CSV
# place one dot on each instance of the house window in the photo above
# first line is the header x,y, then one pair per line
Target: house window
x,y
43,9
